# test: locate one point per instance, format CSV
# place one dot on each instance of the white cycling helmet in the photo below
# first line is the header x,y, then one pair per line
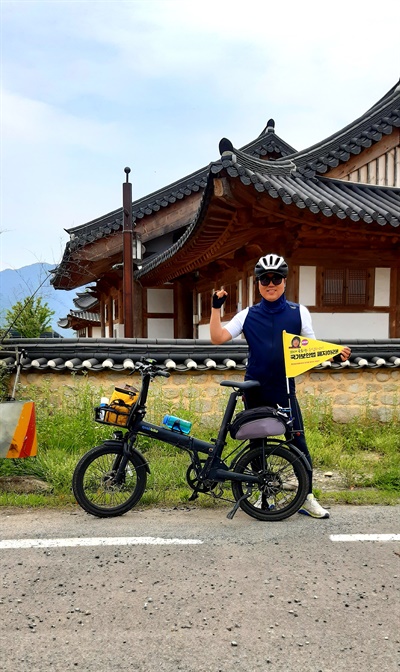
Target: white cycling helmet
x,y
271,263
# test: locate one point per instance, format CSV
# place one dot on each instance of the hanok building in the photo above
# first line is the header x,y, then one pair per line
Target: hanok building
x,y
332,210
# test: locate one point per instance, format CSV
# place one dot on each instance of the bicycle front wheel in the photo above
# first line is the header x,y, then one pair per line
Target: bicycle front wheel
x,y
283,482
98,487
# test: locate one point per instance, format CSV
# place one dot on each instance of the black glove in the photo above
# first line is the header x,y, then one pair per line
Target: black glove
x,y
218,301
337,359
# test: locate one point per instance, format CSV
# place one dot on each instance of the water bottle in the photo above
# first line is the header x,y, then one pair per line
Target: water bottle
x,y
177,424
104,401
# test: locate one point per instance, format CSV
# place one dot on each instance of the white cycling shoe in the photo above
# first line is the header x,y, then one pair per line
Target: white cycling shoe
x,y
312,508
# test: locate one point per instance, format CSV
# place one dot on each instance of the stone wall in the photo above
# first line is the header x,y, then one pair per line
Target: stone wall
x,y
349,393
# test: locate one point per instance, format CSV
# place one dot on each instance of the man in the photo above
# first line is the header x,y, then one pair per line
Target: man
x,y
262,326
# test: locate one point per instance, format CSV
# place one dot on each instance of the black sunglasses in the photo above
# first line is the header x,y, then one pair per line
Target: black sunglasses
x,y
267,279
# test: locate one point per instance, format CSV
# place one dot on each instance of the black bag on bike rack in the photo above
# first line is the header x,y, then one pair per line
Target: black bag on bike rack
x,y
256,423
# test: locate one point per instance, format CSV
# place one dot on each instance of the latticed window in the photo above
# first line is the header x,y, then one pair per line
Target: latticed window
x,y
345,287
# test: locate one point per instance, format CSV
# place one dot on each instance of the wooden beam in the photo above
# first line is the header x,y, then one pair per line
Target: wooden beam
x,y
170,218
222,189
100,249
344,257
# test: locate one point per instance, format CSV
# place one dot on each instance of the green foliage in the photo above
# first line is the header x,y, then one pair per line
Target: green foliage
x,y
5,377
30,317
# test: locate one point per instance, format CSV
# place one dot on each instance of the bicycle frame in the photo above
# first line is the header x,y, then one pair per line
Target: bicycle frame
x,y
214,469
258,468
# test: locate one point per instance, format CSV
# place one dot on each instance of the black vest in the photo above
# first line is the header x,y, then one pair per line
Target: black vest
x,y
263,328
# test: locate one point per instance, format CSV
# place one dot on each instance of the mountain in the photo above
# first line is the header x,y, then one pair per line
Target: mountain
x,y
19,284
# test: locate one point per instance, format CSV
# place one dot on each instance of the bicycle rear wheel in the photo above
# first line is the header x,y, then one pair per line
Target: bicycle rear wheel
x,y
97,488
283,487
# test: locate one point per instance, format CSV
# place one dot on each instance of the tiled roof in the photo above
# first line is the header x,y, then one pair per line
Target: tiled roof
x,y
84,315
368,129
85,300
268,144
103,226
182,356
356,201
280,180
371,205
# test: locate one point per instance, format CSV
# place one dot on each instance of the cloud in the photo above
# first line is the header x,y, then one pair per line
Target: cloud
x,y
156,84
34,122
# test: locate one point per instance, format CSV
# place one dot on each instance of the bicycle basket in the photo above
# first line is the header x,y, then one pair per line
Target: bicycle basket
x,y
118,410
256,423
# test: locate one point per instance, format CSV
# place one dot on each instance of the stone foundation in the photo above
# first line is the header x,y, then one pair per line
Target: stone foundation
x,y
350,394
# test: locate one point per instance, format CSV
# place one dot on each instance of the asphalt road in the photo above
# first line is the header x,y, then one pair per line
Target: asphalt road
x,y
266,596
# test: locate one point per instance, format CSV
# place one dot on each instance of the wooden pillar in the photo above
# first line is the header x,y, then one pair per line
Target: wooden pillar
x,y
127,256
183,310
292,283
137,310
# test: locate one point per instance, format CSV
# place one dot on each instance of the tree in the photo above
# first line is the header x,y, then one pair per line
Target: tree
x,y
30,317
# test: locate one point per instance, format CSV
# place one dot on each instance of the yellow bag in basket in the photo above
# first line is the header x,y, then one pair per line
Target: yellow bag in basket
x,y
121,400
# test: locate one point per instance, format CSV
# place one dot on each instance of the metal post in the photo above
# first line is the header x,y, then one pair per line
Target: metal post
x,y
127,256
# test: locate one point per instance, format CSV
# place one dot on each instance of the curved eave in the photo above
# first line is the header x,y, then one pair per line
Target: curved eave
x,y
181,252
368,129
111,222
77,319
324,197
343,199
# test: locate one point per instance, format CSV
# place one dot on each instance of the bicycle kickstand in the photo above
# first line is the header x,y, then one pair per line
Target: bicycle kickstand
x,y
237,503
194,495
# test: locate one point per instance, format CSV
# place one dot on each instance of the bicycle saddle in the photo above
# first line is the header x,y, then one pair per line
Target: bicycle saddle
x,y
244,385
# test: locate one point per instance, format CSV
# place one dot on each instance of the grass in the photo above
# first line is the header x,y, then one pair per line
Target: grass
x,y
365,453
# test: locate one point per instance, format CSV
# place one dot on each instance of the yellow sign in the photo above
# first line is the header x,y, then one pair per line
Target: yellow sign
x,y
302,354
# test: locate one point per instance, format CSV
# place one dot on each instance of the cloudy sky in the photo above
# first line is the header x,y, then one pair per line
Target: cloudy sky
x,y
90,87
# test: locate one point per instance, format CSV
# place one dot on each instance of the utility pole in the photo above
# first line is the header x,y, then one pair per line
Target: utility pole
x,y
127,243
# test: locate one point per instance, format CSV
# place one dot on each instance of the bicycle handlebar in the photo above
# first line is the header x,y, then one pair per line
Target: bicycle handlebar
x,y
149,367
163,373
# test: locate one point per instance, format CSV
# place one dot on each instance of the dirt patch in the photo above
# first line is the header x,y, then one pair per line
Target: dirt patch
x,y
328,480
23,484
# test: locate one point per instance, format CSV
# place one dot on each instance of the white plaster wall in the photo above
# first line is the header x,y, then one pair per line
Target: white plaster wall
x,y
204,330
250,286
307,285
160,328
160,301
382,287
240,295
119,330
328,326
